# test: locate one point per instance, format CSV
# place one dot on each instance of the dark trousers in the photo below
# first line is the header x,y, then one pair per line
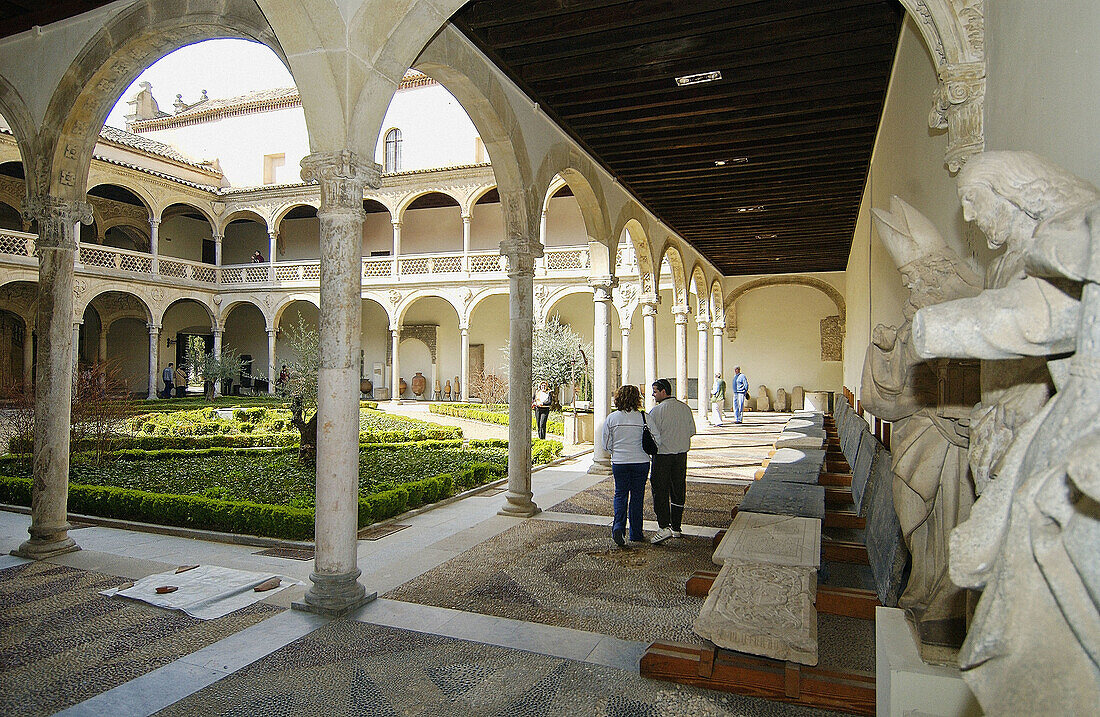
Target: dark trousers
x,y
669,479
167,389
629,496
541,416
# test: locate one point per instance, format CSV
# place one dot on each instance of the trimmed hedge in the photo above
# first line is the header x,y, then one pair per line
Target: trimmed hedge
x,y
475,413
542,450
242,516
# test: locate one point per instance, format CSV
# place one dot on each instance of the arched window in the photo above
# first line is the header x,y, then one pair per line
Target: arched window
x,y
393,151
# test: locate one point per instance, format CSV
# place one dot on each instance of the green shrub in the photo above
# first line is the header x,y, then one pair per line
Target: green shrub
x,y
486,414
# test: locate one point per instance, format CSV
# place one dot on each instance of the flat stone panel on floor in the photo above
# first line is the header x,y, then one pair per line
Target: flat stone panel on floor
x,y
762,609
773,539
804,458
791,439
781,498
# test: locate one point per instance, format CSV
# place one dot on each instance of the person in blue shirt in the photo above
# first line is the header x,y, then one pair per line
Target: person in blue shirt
x,y
168,375
740,393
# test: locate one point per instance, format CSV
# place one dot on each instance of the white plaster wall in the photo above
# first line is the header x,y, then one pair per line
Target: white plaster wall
x,y
182,237
564,223
1043,88
416,357
128,348
241,240
245,333
291,314
435,130
375,339
486,226
377,233
778,340
907,161
432,230
489,326
240,144
300,239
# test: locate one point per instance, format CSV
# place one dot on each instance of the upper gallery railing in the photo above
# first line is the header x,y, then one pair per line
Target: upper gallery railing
x,y
376,270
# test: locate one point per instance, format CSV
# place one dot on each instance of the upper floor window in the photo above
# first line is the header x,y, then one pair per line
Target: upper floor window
x,y
393,151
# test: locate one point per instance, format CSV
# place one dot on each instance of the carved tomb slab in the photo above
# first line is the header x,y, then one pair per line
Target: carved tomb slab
x,y
772,539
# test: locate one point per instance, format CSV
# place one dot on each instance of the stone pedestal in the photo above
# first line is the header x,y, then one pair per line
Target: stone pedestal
x,y
904,684
579,430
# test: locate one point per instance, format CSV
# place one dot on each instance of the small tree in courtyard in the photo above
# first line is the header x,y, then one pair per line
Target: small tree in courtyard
x,y
101,402
555,356
491,388
301,386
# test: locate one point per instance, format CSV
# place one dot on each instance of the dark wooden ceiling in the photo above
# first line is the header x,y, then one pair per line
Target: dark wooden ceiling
x,y
19,15
794,116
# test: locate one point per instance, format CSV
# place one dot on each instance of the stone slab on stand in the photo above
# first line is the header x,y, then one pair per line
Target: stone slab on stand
x,y
780,498
763,610
886,549
792,439
861,473
905,685
810,459
772,539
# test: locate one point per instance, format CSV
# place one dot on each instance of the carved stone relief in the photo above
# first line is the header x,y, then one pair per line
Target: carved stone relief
x,y
832,339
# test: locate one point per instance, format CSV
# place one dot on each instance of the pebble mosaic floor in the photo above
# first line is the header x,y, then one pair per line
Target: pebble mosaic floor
x,y
62,642
571,575
708,504
349,668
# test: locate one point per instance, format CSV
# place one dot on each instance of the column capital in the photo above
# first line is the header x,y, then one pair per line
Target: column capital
x,y
343,176
397,223
273,233
718,327
272,332
680,314
602,286
521,253
153,328
649,309
464,329
625,330
217,238
154,222
702,322
56,218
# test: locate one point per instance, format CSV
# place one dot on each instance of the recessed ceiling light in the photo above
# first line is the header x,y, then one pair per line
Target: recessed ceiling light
x,y
757,208
766,236
735,160
700,77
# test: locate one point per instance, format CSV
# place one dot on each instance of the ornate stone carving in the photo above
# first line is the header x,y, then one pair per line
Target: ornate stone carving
x,y
773,539
394,297
929,404
56,219
1030,542
343,176
422,332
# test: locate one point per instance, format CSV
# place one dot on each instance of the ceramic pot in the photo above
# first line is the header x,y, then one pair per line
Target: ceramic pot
x,y
366,386
402,387
419,384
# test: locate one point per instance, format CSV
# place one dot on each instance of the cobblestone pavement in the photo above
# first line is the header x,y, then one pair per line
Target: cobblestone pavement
x,y
350,668
707,504
62,642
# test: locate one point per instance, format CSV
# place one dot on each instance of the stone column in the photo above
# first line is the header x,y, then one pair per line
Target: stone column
x,y
272,247
217,355
57,246
649,331
680,314
395,365
154,245
717,330
76,352
540,263
271,368
101,355
704,366
624,355
154,363
343,177
521,252
217,257
601,369
28,354
464,369
466,243
396,247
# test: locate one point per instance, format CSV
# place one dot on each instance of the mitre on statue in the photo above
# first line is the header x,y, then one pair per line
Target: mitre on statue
x,y
907,234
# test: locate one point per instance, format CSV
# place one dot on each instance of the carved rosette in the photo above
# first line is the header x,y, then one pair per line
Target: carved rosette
x,y
343,177
958,107
56,219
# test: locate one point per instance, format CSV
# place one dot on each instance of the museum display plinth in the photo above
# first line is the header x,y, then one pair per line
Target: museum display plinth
x,y
579,430
905,684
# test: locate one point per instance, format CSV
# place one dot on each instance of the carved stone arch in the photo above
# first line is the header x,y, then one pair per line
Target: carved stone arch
x,y
823,286
418,294
479,297
20,296
127,44
279,214
81,304
702,292
560,293
578,171
452,62
280,306
206,212
954,31
99,179
211,311
476,196
385,201
670,254
22,125
251,213
555,186
226,309
717,305
632,221
407,199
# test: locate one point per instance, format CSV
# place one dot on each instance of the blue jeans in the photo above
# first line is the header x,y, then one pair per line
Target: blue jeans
x,y
630,481
738,406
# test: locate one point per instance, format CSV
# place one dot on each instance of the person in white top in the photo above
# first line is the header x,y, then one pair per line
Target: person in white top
x,y
622,437
541,403
672,424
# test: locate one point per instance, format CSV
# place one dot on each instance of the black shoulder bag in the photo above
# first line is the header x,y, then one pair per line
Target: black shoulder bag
x,y
648,444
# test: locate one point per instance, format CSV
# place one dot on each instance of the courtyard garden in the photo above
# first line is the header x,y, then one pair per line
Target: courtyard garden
x,y
234,466
495,413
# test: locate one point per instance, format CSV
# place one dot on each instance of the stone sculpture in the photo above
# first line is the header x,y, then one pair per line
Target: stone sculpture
x,y
763,403
798,398
781,400
1031,541
447,390
458,391
930,404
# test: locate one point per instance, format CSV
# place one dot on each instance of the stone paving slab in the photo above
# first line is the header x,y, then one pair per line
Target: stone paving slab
x,y
351,668
707,504
774,539
62,643
794,439
571,575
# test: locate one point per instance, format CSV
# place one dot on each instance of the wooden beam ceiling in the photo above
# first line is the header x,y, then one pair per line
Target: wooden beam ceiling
x,y
794,116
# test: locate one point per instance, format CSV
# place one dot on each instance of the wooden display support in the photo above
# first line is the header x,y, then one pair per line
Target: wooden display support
x,y
728,671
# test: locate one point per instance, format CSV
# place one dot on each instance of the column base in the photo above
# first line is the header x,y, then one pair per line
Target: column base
x,y
47,546
519,505
334,595
600,467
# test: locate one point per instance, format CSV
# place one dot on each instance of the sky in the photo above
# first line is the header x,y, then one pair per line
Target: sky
x,y
224,68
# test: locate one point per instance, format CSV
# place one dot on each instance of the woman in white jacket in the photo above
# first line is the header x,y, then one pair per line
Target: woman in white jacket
x,y
622,437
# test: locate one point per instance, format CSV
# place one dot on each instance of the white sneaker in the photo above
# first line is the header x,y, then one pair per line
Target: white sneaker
x,y
661,535
677,534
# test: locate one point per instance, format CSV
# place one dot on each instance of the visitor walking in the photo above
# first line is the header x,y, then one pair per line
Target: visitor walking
x,y
622,438
717,400
541,403
672,424
168,375
740,393
181,382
